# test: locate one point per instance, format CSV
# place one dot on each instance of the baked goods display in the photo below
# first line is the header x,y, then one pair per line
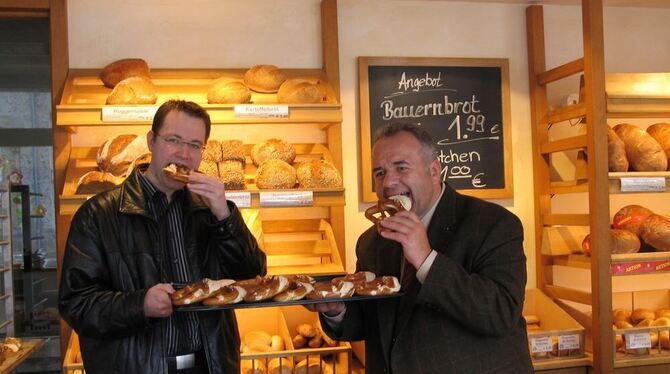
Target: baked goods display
x,y
386,208
661,133
273,149
657,324
213,151
233,150
616,152
299,91
636,228
318,174
275,174
226,91
642,150
119,70
264,78
177,172
96,181
277,289
231,173
133,90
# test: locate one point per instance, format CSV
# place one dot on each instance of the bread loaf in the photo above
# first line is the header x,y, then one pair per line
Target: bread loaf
x,y
621,314
231,173
122,69
252,367
140,160
213,151
655,231
209,167
133,90
298,91
96,181
116,154
643,152
310,365
275,174
621,241
616,152
318,174
280,365
233,150
272,149
630,217
264,78
226,91
661,132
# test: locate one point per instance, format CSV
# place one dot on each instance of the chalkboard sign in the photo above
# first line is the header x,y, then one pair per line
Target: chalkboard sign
x,y
463,103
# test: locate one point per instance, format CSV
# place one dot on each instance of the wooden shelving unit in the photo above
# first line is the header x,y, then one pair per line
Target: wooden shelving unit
x,y
602,280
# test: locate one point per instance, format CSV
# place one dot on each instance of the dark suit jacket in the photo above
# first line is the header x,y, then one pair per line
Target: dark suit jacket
x,y
466,317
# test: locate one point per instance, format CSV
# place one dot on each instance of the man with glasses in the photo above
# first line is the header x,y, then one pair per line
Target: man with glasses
x,y
128,245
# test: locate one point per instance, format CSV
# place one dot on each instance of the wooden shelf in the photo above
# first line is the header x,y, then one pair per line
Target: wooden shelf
x,y
82,160
13,360
84,97
615,180
638,95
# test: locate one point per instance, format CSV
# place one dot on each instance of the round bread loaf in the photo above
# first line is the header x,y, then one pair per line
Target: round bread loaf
x,y
662,313
264,78
621,314
233,150
280,365
122,69
621,241
661,132
275,174
655,231
140,160
231,173
616,152
630,217
213,151
96,181
116,154
643,152
226,91
318,174
299,91
272,149
133,90
640,314
209,167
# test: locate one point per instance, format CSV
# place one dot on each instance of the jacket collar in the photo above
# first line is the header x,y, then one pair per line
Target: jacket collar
x,y
133,201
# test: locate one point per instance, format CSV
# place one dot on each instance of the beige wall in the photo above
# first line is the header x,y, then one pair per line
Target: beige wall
x,y
228,34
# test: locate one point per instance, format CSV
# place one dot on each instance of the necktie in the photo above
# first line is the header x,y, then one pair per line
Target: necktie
x,y
408,275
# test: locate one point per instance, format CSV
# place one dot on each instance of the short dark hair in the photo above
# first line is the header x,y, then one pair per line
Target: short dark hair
x,y
416,130
188,107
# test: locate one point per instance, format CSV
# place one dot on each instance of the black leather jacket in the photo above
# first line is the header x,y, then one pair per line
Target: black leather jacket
x,y
113,256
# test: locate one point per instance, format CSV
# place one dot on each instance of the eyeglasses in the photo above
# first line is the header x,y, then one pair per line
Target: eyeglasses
x,y
176,143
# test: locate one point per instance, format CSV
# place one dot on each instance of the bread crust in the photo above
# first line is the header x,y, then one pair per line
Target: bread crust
x,y
119,70
264,78
642,151
655,231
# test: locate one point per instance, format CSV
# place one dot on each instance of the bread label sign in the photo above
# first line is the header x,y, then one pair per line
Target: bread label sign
x,y
568,342
241,199
635,341
648,184
540,345
261,111
128,113
288,198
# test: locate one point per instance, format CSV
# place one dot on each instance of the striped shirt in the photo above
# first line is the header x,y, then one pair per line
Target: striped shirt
x,y
182,335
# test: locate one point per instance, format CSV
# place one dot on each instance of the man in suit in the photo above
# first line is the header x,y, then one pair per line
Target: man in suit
x,y
461,263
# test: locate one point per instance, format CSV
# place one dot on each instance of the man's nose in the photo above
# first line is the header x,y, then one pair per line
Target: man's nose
x,y
182,151
390,179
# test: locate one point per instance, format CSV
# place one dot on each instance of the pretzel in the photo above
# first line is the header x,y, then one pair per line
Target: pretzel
x,y
263,288
177,172
328,290
198,291
384,285
226,295
294,291
386,208
358,278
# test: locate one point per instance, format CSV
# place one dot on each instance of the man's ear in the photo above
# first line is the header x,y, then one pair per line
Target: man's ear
x,y
151,140
435,170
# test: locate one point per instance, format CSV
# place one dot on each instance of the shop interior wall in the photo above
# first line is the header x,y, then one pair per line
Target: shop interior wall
x,y
236,34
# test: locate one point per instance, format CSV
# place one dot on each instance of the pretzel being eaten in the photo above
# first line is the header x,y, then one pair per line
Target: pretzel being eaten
x,y
386,208
177,172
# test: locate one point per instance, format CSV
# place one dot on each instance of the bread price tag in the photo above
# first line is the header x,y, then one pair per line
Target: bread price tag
x,y
540,345
241,199
288,198
650,184
128,113
261,111
641,340
568,342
